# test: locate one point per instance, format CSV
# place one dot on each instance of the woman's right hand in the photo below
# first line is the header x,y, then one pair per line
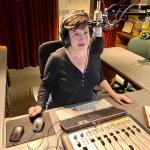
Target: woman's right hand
x,y
33,111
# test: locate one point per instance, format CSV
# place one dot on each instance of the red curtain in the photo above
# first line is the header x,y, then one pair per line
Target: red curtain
x,y
24,25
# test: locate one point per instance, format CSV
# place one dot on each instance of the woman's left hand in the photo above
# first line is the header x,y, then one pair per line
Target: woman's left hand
x,y
122,99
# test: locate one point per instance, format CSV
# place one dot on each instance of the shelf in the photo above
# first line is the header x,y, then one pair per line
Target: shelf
x,y
122,39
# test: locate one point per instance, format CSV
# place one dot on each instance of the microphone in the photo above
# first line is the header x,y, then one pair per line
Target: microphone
x,y
104,21
101,19
106,25
98,16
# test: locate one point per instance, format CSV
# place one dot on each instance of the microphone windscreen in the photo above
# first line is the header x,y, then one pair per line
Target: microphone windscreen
x,y
96,45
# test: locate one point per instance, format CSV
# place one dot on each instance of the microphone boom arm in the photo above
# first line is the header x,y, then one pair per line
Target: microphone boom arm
x,y
101,19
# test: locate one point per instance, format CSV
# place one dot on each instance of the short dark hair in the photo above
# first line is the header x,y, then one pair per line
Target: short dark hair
x,y
72,21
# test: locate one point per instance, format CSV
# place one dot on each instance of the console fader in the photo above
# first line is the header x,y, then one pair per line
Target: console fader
x,y
120,134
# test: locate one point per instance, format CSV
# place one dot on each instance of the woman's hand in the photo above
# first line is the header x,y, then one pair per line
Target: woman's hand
x,y
97,31
33,111
121,99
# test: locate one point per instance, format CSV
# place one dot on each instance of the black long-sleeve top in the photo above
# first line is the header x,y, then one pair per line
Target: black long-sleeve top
x,y
66,83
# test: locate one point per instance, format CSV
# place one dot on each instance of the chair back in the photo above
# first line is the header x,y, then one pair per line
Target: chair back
x,y
44,51
139,46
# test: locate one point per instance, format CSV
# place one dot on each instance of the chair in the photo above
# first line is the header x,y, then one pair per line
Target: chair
x,y
44,51
140,47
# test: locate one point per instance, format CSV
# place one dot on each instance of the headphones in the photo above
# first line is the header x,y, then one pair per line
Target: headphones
x,y
65,27
65,37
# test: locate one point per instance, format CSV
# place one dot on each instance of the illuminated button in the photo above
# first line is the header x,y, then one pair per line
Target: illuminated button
x,y
126,119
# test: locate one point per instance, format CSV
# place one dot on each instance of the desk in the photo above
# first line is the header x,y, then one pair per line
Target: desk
x,y
128,65
141,98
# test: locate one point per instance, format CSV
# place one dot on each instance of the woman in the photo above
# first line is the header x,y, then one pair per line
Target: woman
x,y
72,72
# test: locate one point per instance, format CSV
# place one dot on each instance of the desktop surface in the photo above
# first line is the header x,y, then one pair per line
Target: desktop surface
x,y
140,99
128,65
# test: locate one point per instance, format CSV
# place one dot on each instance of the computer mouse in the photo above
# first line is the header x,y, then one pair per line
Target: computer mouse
x,y
32,118
38,124
16,134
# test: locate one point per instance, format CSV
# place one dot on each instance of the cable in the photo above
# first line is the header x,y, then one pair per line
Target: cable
x,y
125,12
57,144
48,146
59,139
119,3
132,6
29,147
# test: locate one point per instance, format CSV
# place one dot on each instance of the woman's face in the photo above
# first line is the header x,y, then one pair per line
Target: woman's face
x,y
79,38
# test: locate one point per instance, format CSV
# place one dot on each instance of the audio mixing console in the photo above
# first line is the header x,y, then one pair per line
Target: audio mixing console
x,y
123,133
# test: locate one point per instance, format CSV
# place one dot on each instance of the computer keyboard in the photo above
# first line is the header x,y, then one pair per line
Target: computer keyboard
x,y
92,106
88,119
